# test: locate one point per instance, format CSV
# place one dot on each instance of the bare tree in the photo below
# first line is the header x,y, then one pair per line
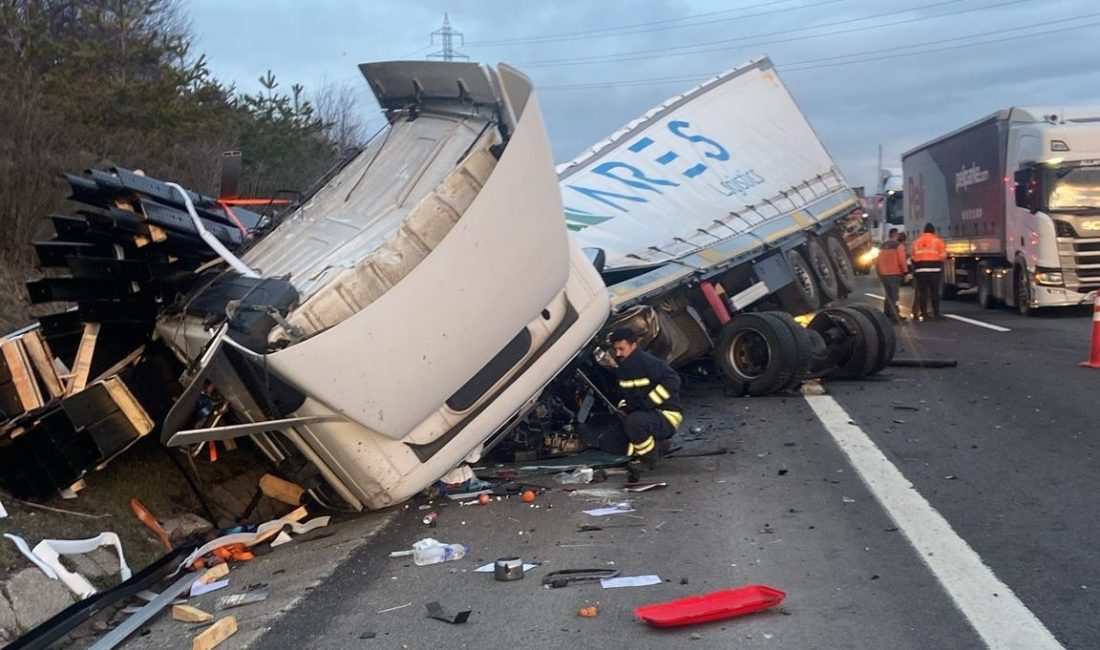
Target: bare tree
x,y
338,107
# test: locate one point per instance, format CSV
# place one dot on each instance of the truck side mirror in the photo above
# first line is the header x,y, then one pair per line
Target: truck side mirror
x,y
1027,188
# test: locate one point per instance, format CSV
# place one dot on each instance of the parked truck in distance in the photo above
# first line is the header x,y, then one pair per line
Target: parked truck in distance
x,y
1016,197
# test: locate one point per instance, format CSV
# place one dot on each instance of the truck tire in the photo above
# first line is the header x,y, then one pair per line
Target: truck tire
x,y
842,262
862,351
801,295
802,346
887,338
823,270
1023,291
756,353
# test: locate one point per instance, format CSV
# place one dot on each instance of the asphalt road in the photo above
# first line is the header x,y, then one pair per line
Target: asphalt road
x,y
1002,447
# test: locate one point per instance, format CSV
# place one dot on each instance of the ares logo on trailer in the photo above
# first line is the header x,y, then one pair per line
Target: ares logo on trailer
x,y
971,175
633,186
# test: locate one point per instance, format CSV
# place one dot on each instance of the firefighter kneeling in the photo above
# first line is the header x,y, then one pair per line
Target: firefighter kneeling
x,y
651,398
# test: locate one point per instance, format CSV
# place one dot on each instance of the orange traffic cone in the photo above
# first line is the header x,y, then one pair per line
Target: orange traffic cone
x,y
1094,351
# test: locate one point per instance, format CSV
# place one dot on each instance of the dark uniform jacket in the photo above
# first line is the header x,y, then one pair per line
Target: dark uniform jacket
x,y
649,384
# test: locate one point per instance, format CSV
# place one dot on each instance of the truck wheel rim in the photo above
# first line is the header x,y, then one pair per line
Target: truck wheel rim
x,y
750,353
806,281
844,269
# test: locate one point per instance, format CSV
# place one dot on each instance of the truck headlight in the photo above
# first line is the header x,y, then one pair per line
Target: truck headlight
x,y
1050,278
869,256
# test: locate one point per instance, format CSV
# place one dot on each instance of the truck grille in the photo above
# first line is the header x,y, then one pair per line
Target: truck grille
x,y
1080,259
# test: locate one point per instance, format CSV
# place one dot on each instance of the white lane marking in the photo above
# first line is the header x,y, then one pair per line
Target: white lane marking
x,y
995,328
964,319
995,613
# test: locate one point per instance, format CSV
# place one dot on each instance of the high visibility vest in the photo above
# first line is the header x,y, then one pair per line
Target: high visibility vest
x,y
929,248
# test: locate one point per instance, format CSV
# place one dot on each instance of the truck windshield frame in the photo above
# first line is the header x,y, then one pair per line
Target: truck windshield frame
x,y
894,209
1075,189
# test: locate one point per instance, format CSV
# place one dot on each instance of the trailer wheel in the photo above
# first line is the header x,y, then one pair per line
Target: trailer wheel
x,y
802,348
801,295
887,339
861,352
823,270
757,353
842,262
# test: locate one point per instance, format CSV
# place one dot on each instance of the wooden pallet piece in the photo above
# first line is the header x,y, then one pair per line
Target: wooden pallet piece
x,y
82,366
221,630
38,350
129,405
281,490
23,382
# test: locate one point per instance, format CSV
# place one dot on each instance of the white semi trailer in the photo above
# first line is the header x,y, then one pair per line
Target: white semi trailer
x,y
1016,197
716,217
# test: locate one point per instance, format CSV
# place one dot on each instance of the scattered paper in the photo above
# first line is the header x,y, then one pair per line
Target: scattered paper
x,y
3,512
280,539
613,510
198,589
630,581
488,568
645,486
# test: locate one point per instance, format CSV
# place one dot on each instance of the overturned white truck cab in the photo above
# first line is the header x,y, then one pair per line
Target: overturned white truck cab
x,y
357,351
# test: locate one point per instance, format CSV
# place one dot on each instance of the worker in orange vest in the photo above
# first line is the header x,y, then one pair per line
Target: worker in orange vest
x,y
892,267
929,254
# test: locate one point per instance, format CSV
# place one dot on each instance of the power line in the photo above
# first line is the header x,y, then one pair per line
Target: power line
x,y
627,30
797,66
673,51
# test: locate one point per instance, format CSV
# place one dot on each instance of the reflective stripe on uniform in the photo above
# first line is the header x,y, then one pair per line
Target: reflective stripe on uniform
x,y
633,383
659,394
674,418
630,449
642,448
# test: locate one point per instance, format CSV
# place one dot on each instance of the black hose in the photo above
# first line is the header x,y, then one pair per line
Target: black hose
x,y
194,487
924,363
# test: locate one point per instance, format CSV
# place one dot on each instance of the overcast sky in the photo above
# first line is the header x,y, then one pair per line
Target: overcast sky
x,y
909,69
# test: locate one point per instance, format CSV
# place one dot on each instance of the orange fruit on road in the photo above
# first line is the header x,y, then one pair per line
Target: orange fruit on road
x,y
483,499
528,496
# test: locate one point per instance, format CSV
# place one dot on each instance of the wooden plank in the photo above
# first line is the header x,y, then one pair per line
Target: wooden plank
x,y
189,614
281,490
215,634
129,406
214,573
22,376
38,350
83,364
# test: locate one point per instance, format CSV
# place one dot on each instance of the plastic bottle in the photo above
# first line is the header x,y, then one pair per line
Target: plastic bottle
x,y
430,551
